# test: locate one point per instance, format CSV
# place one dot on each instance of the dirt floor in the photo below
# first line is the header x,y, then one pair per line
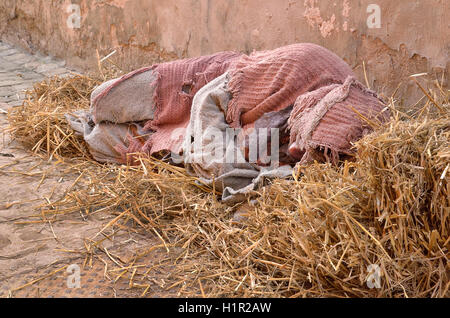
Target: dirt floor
x,y
34,254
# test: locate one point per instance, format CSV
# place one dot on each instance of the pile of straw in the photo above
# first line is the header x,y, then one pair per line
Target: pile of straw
x,y
39,123
380,220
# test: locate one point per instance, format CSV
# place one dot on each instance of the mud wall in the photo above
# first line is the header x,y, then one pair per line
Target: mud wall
x,y
394,39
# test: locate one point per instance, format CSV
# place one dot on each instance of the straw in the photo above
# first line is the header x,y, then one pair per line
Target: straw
x,y
313,235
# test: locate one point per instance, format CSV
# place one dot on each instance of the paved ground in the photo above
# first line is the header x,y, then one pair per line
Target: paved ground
x,y
29,251
19,70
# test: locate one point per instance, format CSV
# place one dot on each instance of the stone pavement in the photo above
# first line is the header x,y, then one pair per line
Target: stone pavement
x,y
19,70
29,247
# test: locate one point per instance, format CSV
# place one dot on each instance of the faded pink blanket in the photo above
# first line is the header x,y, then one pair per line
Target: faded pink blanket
x,y
319,85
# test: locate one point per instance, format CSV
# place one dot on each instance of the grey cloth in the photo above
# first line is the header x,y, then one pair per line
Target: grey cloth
x,y
118,115
135,92
103,138
207,150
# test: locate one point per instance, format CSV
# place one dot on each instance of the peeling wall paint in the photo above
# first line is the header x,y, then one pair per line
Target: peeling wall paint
x,y
314,18
412,38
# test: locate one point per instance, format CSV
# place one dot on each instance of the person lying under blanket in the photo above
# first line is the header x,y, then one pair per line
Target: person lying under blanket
x,y
230,118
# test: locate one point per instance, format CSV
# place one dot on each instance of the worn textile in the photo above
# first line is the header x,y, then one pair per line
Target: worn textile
x,y
303,74
176,84
117,100
272,80
303,91
115,123
105,139
330,118
214,158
